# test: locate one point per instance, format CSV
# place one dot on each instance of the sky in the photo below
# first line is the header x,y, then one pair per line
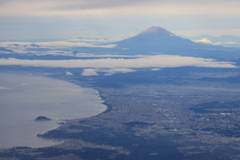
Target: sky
x,y
61,19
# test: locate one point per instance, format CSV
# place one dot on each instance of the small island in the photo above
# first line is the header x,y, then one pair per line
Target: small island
x,y
42,118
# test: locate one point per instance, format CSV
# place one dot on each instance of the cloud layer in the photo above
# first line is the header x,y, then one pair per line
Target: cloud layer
x,y
206,40
57,44
157,61
118,70
89,72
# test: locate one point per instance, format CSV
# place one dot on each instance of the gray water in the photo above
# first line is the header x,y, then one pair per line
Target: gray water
x,y
23,98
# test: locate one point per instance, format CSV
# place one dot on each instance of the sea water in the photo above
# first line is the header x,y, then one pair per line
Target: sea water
x,y
23,98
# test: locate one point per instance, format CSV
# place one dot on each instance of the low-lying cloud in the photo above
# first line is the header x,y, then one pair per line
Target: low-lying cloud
x,y
156,61
89,72
107,71
206,40
55,44
203,40
68,73
118,70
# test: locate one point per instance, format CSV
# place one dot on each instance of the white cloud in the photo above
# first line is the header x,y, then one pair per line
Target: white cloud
x,y
12,44
157,61
89,72
203,40
156,69
22,47
118,70
68,73
227,43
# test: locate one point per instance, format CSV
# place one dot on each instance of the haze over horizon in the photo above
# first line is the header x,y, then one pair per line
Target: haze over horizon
x,y
52,19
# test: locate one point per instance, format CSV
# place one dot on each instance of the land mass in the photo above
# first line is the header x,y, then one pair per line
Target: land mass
x,y
42,118
174,114
178,113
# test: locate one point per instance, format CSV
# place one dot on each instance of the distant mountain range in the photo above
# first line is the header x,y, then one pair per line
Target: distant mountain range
x,y
152,41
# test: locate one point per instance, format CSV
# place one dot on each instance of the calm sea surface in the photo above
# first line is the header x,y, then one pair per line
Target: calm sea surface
x,y
23,98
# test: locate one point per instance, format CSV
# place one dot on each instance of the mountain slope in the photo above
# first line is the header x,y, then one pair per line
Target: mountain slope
x,y
157,40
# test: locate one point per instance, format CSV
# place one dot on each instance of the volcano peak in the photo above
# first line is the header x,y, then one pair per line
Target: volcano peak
x,y
155,39
156,30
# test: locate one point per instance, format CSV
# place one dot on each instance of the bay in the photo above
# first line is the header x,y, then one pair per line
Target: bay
x,y
24,97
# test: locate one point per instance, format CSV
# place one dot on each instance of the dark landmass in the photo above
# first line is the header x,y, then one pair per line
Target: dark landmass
x,y
34,45
170,114
42,118
5,50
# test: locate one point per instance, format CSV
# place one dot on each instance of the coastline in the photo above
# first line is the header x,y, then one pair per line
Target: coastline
x,y
34,143
109,107
72,121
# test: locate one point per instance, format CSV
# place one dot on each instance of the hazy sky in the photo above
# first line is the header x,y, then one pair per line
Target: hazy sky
x,y
31,19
